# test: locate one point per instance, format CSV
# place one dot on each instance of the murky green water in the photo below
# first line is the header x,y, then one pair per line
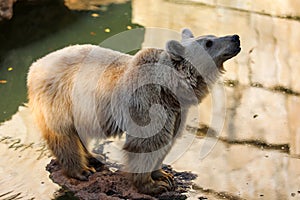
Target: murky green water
x,y
34,32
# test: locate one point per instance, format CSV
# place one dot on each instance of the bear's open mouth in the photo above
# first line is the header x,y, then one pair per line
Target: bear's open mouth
x,y
227,56
232,54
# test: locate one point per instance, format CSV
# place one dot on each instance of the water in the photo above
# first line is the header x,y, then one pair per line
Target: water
x,y
31,34
257,155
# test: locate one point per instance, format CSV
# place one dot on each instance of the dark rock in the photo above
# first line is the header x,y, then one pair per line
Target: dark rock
x,y
6,9
108,185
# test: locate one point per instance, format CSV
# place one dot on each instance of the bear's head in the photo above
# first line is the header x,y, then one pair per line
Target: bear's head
x,y
207,51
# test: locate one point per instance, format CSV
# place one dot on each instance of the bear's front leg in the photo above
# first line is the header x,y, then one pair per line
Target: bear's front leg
x,y
143,161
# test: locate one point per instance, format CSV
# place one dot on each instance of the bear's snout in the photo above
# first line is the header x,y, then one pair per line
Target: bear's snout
x,y
232,47
235,38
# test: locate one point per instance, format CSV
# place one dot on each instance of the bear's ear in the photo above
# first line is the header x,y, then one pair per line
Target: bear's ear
x,y
186,34
175,50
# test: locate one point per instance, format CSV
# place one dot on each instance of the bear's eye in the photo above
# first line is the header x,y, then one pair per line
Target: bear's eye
x,y
209,43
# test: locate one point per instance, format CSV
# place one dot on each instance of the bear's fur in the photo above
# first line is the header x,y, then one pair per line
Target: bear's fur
x,y
86,91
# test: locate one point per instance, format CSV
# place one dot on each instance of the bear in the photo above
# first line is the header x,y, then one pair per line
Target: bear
x,y
84,91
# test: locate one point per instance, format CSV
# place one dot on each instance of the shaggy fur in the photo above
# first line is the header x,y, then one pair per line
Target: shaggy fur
x,y
86,91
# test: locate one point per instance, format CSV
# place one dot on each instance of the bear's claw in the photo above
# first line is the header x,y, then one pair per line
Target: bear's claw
x,y
161,175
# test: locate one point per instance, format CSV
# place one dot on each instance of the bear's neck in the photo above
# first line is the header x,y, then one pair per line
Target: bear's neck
x,y
200,78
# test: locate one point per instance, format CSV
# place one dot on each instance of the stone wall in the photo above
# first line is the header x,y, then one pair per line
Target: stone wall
x,y
268,7
257,155
262,81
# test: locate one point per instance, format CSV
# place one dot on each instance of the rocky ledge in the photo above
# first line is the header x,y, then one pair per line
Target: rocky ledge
x,y
108,184
6,7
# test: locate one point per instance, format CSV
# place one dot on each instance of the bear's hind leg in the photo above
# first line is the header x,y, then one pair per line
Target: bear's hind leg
x,y
70,154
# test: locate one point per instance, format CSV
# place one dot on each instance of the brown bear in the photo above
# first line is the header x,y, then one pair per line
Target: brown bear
x,y
85,91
